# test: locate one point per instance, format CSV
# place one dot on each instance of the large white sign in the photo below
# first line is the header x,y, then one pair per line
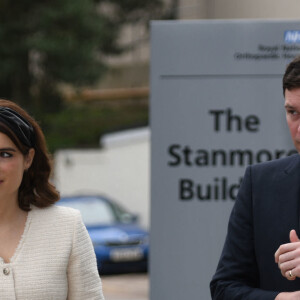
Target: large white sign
x,y
216,107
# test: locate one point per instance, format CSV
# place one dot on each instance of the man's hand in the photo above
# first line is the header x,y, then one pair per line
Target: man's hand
x,y
288,258
288,296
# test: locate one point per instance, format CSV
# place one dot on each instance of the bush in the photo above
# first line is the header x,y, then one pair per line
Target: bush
x,y
82,125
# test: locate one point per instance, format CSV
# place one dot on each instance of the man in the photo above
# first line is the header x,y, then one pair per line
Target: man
x,y
261,255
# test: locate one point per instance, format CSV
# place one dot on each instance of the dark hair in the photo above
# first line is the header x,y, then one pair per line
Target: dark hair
x,y
35,187
291,77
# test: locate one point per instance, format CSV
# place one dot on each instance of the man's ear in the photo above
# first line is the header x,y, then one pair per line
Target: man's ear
x,y
29,158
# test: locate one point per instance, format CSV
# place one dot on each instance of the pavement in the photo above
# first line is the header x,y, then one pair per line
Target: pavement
x,y
126,287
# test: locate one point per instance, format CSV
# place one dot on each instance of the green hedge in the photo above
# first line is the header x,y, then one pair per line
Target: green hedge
x,y
81,125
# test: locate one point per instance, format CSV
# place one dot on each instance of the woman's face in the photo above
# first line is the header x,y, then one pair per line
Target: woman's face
x,y
12,166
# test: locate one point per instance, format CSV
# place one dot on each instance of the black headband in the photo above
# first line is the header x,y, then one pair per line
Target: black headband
x,y
20,126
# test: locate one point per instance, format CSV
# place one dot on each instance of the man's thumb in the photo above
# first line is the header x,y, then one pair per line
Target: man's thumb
x,y
293,236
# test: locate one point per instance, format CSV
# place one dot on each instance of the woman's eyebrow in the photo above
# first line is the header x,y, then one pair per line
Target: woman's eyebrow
x,y
8,149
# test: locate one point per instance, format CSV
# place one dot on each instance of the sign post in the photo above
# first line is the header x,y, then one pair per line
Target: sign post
x,y
216,107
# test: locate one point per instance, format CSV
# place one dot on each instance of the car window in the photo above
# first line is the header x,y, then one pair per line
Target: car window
x,y
94,211
122,215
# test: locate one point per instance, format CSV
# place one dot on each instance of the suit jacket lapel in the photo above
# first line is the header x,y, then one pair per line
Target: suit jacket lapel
x,y
287,192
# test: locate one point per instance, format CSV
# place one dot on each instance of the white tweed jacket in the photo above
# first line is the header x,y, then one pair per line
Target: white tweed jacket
x,y
54,260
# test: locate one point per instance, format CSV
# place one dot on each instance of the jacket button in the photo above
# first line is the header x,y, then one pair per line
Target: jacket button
x,y
6,271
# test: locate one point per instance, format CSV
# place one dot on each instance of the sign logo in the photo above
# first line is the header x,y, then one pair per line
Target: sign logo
x,y
292,36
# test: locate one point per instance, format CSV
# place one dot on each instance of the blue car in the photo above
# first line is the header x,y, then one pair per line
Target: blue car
x,y
121,246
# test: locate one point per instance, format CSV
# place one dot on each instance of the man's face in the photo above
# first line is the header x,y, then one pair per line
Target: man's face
x,y
292,108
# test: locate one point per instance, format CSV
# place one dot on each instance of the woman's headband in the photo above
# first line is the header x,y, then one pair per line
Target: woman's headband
x,y
20,126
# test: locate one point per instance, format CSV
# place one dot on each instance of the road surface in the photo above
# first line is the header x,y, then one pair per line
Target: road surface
x,y
126,287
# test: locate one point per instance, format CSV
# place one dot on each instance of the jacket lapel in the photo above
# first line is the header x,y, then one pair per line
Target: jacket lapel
x,y
287,192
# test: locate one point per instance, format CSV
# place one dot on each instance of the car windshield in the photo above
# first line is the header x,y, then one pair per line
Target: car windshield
x,y
96,211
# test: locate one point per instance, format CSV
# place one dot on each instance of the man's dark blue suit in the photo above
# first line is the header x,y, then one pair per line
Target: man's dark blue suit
x,y
266,209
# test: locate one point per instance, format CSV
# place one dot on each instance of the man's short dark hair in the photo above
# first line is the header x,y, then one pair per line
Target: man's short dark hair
x,y
291,77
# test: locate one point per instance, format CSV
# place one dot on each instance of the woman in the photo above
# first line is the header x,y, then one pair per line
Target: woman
x,y
45,250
